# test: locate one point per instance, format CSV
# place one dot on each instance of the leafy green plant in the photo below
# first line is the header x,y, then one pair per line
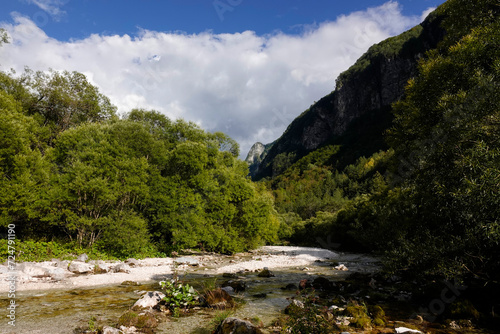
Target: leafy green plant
x,y
92,323
178,295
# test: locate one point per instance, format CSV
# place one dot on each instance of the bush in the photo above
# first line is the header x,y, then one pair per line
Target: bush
x,y
126,235
38,251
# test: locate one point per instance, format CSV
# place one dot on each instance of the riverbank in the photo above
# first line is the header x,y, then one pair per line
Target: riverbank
x,y
58,274
54,299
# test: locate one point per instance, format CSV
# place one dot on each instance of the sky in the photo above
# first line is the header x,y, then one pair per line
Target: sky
x,y
243,67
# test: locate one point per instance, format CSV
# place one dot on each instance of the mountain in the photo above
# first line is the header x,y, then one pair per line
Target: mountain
x,y
257,152
356,114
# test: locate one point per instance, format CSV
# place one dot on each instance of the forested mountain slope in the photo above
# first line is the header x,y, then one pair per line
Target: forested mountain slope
x,y
417,178
364,93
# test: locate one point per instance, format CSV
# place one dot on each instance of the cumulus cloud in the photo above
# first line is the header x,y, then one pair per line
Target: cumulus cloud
x,y
248,86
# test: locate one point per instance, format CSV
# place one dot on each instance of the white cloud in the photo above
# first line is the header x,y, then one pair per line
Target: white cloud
x,y
249,86
426,13
53,7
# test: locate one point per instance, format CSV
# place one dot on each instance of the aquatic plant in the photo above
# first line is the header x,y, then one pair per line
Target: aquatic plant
x,y
178,295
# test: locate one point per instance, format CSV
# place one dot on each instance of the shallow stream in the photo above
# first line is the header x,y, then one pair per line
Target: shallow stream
x,y
61,311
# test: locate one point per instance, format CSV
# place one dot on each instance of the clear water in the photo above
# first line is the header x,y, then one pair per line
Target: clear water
x,y
61,311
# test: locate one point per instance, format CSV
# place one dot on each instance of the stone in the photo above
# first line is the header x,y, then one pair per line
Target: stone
x,y
400,330
229,275
58,274
130,283
132,262
63,264
335,308
34,270
110,330
290,287
77,267
454,325
266,273
255,153
187,260
4,269
228,289
102,268
233,325
121,268
260,295
322,283
237,285
341,267
128,330
82,258
343,321
149,300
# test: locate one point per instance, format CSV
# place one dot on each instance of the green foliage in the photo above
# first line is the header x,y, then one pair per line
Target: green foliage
x,y
178,295
462,16
38,251
92,323
143,185
125,235
309,197
312,318
359,314
446,136
23,170
431,201
101,172
4,37
65,99
282,161
200,196
402,45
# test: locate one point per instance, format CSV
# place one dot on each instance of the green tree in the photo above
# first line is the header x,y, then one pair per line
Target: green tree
x,y
199,192
64,99
446,139
23,170
101,173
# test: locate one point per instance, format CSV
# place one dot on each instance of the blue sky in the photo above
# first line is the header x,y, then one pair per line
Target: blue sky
x,y
245,67
66,19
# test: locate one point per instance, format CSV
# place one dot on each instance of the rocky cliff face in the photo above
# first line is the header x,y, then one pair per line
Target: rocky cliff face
x,y
370,86
254,155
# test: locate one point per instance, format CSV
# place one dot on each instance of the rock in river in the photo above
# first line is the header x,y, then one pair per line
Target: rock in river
x,y
234,325
110,330
149,300
266,273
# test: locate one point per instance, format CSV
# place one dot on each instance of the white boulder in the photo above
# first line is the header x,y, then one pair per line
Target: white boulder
x,y
77,267
150,299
